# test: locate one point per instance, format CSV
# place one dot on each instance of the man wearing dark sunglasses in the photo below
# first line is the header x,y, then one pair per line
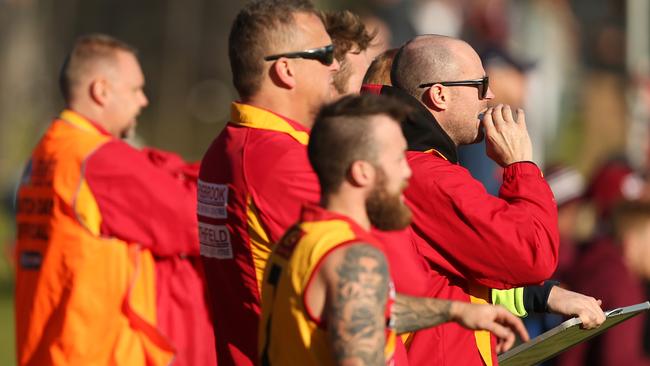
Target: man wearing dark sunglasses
x,y
472,241
255,176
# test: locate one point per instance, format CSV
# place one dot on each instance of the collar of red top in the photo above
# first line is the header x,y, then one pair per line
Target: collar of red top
x,y
82,122
311,212
255,117
423,133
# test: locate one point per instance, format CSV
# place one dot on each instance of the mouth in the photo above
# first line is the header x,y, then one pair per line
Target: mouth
x,y
481,114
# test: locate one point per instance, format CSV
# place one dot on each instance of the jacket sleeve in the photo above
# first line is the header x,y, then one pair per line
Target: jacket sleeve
x,y
144,200
174,164
499,242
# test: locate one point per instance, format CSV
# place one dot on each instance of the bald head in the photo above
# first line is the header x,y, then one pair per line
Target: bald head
x,y
429,58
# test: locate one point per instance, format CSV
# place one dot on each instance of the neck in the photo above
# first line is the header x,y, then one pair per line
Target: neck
x,y
88,112
285,105
348,204
442,121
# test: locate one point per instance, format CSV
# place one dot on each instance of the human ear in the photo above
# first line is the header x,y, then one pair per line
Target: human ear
x,y
283,73
361,173
98,91
436,97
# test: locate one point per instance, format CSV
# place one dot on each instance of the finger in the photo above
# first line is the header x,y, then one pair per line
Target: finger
x,y
498,330
592,317
597,313
508,319
588,320
505,337
488,123
500,346
508,343
601,316
507,114
600,302
497,117
521,116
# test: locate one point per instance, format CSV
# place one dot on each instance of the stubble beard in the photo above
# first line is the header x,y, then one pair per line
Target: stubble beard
x,y
386,210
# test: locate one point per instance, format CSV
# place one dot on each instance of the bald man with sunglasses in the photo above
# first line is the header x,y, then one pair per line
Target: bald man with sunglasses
x,y
472,242
255,176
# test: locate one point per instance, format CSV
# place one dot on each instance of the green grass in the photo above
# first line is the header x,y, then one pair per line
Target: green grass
x,y
7,335
7,341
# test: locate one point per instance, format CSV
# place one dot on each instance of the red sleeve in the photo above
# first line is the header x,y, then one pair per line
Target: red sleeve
x,y
280,189
142,202
174,164
499,242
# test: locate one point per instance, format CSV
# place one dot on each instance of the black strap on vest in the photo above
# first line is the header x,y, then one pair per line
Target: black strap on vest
x,y
274,277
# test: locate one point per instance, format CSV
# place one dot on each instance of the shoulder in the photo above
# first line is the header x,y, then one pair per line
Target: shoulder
x,y
432,171
119,153
354,258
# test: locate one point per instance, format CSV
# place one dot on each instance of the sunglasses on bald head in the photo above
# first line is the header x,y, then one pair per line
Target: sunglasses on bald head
x,y
325,55
482,84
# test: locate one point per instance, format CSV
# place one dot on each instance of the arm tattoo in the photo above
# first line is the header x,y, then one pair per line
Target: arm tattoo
x,y
356,307
414,313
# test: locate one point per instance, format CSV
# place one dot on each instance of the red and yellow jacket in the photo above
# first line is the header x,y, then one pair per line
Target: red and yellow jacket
x,y
253,180
289,333
106,234
470,241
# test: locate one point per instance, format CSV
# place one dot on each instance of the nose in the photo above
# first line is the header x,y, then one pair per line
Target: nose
x,y
489,95
144,100
335,66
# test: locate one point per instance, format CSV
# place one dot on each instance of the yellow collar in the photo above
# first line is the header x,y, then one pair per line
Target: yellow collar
x,y
434,151
253,117
80,121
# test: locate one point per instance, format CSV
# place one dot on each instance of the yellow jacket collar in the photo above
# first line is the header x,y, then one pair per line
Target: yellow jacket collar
x,y
254,117
81,122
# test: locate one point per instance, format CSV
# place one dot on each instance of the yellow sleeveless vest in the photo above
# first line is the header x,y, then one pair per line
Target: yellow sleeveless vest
x,y
288,334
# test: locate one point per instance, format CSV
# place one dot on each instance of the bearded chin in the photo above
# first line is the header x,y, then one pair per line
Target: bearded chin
x,y
387,211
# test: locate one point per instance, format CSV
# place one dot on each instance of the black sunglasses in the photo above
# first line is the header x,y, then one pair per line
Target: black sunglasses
x,y
482,84
323,54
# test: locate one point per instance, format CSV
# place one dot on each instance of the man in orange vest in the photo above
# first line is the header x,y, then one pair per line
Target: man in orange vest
x,y
107,248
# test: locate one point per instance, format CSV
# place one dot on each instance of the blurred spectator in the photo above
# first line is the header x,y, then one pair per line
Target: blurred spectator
x,y
545,32
613,182
614,269
352,42
568,187
383,36
379,71
107,251
444,17
395,15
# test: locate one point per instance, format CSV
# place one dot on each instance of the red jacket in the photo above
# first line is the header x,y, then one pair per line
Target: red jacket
x,y
471,240
162,189
109,198
253,180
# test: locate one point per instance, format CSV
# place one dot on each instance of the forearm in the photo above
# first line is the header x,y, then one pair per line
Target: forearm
x,y
415,313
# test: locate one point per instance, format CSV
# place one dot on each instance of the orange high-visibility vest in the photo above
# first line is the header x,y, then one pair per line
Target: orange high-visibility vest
x,y
81,299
